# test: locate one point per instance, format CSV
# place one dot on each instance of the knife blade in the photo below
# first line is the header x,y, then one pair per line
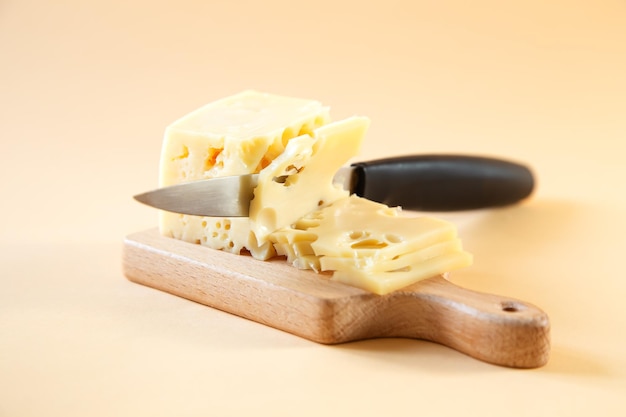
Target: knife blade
x,y
416,182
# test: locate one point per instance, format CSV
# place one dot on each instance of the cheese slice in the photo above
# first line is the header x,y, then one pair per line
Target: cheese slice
x,y
300,180
371,245
385,282
402,262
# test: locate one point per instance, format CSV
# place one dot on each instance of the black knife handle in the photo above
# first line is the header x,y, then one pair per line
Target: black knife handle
x,y
442,182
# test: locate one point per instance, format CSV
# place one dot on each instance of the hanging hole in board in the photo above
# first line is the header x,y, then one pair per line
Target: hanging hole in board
x,y
512,306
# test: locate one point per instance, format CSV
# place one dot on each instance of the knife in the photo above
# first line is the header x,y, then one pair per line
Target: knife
x,y
414,182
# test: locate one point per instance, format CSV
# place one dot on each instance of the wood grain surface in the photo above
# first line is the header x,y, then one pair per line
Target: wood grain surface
x,y
494,329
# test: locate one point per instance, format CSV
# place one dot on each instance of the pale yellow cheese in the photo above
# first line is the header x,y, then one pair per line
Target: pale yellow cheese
x,y
240,134
300,180
297,211
237,135
401,262
389,281
371,246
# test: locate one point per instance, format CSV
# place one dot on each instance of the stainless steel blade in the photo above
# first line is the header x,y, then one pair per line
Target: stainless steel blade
x,y
219,197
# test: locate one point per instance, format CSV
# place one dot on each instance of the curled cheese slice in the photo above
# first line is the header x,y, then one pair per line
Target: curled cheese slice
x,y
300,180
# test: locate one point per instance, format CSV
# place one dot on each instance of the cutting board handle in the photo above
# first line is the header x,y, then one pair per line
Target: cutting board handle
x,y
495,329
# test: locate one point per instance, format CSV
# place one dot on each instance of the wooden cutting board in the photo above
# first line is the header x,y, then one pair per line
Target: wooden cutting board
x,y
498,330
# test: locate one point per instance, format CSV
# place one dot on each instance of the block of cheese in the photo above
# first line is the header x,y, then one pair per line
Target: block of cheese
x,y
370,245
240,134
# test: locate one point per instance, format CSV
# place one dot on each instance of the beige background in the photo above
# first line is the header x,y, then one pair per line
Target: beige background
x,y
86,89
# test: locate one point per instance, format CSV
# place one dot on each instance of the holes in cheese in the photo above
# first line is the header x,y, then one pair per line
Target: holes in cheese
x,y
396,263
388,281
297,211
240,134
370,245
301,177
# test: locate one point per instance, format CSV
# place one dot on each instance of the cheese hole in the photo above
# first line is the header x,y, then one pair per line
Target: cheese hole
x,y
231,245
306,223
305,130
359,234
281,179
320,203
204,223
183,154
227,225
369,244
286,180
218,225
356,235
316,216
287,134
404,269
393,238
265,161
292,169
211,159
